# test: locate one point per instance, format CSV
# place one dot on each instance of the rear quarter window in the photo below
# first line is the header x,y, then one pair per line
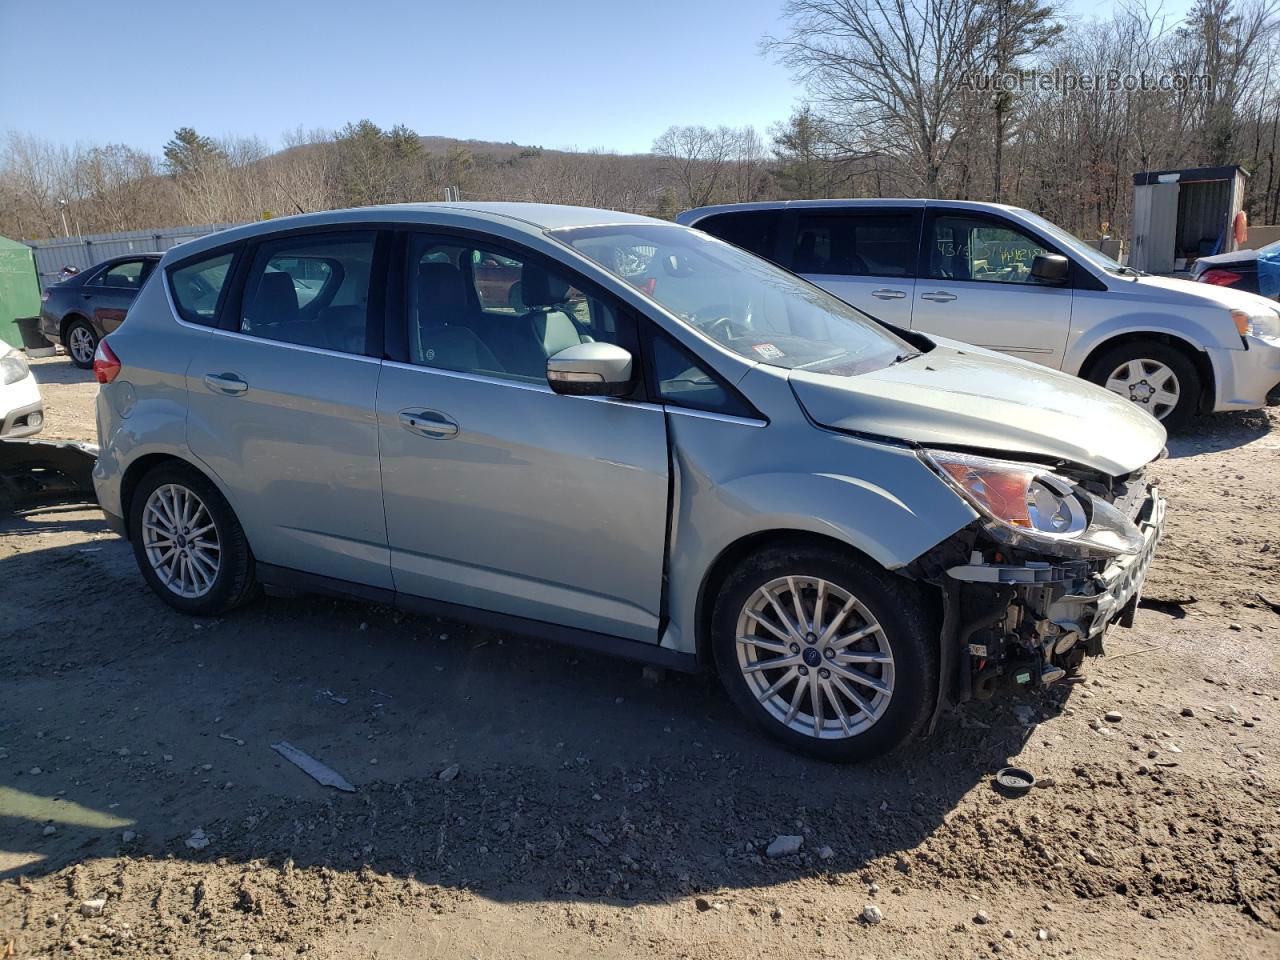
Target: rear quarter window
x,y
197,287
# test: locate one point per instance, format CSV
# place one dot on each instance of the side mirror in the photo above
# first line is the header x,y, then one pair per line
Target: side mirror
x,y
1050,268
590,370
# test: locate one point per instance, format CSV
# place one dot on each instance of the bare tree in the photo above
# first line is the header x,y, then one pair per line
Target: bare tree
x,y
697,158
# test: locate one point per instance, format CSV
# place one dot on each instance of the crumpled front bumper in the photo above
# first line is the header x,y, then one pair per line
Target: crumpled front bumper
x,y
1028,623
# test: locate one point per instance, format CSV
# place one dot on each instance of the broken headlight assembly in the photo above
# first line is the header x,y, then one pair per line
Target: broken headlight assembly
x,y
1026,505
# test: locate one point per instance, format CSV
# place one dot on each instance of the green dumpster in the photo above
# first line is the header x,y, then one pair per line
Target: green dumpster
x,y
19,289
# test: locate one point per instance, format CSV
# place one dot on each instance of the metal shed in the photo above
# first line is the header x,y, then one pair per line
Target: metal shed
x,y
1179,215
83,252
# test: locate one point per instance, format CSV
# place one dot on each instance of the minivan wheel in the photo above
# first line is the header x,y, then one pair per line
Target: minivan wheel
x,y
188,543
827,654
1154,376
81,344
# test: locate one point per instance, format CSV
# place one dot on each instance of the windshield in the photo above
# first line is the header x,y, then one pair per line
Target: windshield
x,y
1074,243
757,310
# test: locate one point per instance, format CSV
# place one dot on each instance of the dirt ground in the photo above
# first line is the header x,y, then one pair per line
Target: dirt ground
x,y
598,812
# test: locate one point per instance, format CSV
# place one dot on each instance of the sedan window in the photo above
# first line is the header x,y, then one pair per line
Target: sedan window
x,y
126,276
757,310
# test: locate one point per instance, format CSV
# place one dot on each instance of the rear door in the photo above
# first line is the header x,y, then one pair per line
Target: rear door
x,y
110,294
281,402
501,494
865,256
975,285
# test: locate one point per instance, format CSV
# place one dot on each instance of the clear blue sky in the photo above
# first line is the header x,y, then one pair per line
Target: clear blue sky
x,y
554,73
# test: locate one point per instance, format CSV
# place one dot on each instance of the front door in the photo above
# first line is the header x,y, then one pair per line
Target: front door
x,y
975,285
499,493
281,407
865,257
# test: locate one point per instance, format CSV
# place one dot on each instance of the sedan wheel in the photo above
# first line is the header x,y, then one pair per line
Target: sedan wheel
x,y
1148,383
181,541
815,657
81,344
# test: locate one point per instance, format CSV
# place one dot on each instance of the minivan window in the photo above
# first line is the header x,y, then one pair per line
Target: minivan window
x,y
196,286
857,244
960,247
754,230
1075,244
750,306
311,290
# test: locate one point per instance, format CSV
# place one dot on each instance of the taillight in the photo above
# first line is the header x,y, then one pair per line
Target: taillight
x,y
106,365
1219,278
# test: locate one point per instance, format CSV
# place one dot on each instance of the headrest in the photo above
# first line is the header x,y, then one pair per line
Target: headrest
x,y
538,288
441,295
276,300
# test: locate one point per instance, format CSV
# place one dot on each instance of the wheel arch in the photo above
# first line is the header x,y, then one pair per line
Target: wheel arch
x,y
1198,356
143,465
70,317
737,551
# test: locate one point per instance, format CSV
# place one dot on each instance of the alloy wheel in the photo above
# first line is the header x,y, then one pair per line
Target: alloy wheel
x,y
815,657
81,345
181,541
1148,383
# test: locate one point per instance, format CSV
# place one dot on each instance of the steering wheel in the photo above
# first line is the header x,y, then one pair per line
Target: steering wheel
x,y
721,326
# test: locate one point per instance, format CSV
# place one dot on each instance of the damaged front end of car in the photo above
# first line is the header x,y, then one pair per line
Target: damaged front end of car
x,y
1057,556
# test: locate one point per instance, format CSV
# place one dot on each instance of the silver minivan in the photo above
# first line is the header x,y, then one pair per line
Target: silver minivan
x,y
629,435
1008,280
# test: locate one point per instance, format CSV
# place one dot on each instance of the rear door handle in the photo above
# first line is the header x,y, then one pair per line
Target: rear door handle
x,y
938,296
885,294
428,423
227,383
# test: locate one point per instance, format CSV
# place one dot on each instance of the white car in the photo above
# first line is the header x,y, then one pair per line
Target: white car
x,y
1008,280
21,408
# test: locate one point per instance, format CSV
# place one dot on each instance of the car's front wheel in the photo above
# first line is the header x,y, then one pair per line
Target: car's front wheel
x,y
188,543
1154,376
826,653
81,342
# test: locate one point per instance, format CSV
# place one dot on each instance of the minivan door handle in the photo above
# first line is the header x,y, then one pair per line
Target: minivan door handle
x,y
428,423
885,294
938,296
226,383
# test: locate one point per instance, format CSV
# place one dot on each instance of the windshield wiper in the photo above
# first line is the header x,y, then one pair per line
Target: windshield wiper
x,y
1128,272
904,357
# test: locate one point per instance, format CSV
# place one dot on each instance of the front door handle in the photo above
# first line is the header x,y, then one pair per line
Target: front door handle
x,y
227,383
428,423
885,294
938,296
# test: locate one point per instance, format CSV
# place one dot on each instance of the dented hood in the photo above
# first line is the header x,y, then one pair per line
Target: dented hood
x,y
961,396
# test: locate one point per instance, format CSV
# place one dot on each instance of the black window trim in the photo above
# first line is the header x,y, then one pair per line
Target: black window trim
x,y
94,279
852,212
397,314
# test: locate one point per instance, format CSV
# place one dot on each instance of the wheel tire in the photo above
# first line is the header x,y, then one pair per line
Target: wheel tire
x,y
907,625
76,330
233,584
1189,385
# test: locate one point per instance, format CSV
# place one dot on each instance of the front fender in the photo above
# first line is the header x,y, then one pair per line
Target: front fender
x,y
733,481
1196,331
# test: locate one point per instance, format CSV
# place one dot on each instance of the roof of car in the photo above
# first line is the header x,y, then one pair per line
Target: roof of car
x,y
698,213
525,217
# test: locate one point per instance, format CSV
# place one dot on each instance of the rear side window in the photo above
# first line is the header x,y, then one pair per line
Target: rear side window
x,y
881,244
311,290
753,230
124,276
197,285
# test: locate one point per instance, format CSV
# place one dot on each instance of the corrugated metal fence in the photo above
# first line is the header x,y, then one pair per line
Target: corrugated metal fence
x,y
82,252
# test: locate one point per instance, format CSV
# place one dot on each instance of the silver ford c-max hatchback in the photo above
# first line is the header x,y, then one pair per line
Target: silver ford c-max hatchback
x,y
626,434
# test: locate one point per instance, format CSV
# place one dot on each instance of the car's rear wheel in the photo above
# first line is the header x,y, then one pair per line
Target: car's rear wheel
x,y
1154,376
81,342
826,653
188,543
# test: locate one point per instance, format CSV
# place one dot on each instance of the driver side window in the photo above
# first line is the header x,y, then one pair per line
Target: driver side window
x,y
975,248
